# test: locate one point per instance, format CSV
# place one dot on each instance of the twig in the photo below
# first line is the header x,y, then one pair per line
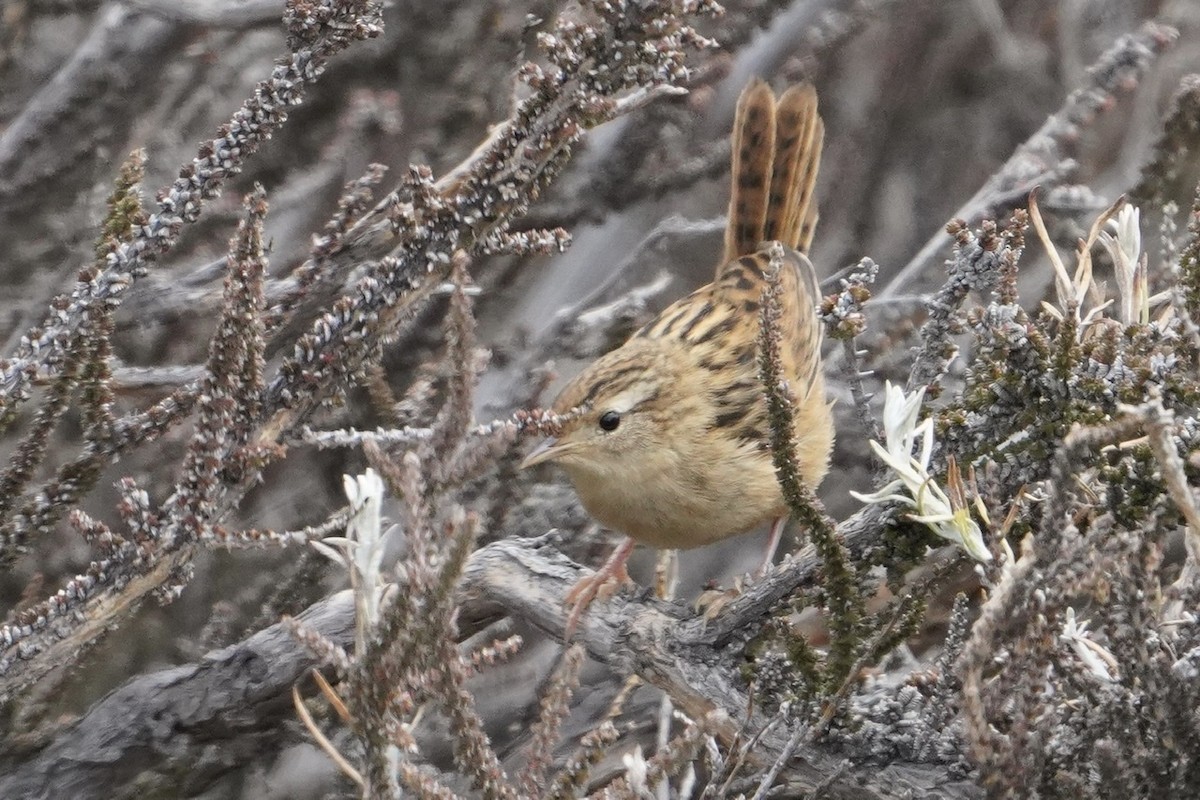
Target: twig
x,y
1040,160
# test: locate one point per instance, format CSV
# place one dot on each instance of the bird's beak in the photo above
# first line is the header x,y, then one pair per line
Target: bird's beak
x,y
546,451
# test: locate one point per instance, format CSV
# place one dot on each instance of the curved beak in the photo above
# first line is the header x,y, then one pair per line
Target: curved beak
x,y
546,451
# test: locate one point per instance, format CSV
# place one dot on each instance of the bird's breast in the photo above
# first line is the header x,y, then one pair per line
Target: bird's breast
x,y
695,497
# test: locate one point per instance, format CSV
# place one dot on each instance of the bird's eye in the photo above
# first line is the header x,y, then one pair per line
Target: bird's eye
x,y
609,420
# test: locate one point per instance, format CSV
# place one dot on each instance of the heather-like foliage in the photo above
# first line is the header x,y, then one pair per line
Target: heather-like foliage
x,y
1008,608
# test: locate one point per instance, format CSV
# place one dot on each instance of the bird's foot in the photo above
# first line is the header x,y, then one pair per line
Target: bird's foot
x,y
712,601
601,584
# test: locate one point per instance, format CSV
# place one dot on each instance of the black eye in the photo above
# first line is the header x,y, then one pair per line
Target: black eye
x,y
609,420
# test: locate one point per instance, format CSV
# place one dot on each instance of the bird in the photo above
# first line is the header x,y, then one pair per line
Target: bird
x,y
666,437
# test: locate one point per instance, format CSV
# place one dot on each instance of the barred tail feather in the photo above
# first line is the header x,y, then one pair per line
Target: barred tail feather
x,y
753,146
808,328
794,165
776,154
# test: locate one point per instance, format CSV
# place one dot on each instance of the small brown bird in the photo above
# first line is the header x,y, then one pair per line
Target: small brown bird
x,y
670,444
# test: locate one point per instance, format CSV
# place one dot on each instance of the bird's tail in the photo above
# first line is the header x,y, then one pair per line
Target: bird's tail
x,y
776,153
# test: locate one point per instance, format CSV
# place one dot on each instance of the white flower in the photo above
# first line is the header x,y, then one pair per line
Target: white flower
x,y
1128,231
1094,656
1124,246
361,549
900,419
946,515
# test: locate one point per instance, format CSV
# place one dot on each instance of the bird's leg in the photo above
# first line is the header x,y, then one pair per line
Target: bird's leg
x,y
772,545
612,574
